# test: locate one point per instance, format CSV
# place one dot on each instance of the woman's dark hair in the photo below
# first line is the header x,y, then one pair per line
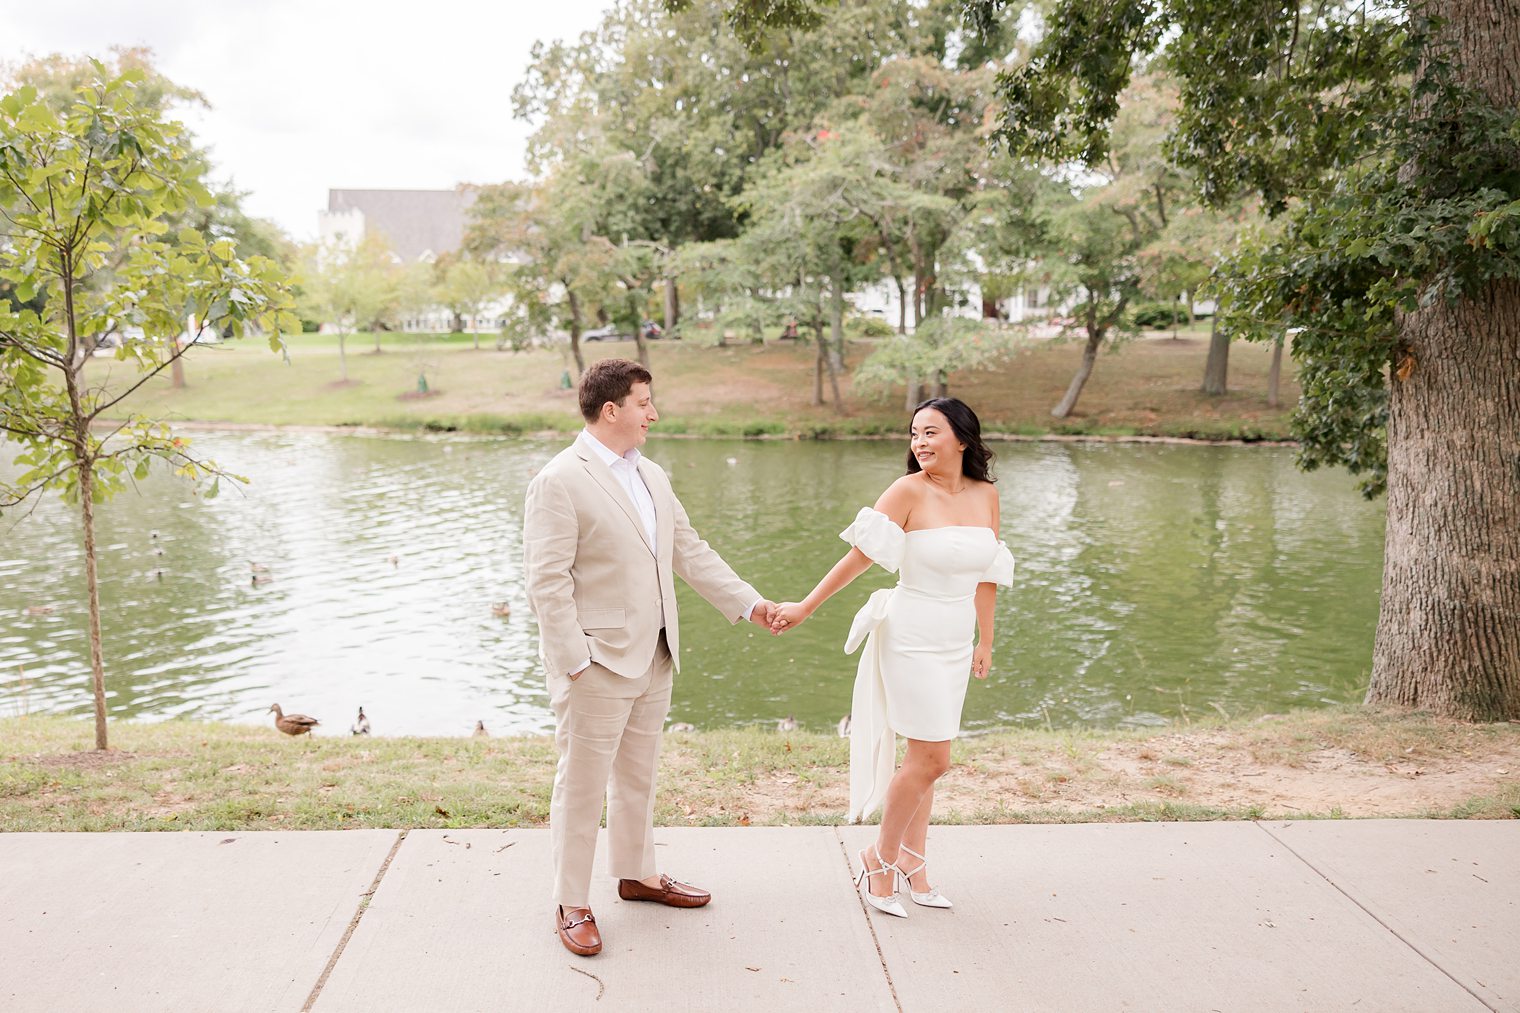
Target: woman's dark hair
x,y
976,459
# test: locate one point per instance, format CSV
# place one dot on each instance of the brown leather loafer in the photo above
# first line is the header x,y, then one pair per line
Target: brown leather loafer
x,y
670,892
577,930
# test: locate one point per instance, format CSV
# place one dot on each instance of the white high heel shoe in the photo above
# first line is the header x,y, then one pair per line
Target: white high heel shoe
x,y
891,905
932,897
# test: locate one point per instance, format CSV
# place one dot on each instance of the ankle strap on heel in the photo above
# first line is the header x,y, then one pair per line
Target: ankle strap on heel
x,y
923,863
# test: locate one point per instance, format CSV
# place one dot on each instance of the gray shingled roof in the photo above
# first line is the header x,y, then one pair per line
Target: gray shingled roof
x,y
413,222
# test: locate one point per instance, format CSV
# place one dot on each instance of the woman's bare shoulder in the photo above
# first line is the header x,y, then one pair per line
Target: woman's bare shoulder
x,y
989,495
901,497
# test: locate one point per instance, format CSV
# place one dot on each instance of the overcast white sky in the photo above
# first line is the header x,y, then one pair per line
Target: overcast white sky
x,y
311,94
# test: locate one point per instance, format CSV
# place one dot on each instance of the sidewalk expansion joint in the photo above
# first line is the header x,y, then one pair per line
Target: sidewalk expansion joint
x,y
881,957
1374,916
353,923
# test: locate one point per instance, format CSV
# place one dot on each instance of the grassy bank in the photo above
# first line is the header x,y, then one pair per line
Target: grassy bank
x,y
206,776
1146,387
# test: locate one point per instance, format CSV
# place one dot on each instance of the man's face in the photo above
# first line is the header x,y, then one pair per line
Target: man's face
x,y
631,420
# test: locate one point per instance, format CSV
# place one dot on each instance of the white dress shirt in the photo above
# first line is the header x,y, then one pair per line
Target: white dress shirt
x,y
626,470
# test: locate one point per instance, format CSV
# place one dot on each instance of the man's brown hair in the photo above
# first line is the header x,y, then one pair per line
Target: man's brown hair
x,y
609,380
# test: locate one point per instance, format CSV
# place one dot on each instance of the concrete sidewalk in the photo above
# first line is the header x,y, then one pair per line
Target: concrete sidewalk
x,y
1370,915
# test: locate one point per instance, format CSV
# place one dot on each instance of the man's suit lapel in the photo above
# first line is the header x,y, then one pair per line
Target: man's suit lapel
x,y
664,503
612,487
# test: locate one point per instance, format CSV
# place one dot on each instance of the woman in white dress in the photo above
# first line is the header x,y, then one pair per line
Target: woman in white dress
x,y
938,526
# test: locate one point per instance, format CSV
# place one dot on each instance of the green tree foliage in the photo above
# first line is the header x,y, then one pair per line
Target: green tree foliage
x,y
85,195
1385,138
57,80
354,287
560,270
465,286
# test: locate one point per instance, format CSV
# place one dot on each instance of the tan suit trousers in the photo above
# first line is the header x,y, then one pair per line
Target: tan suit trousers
x,y
607,733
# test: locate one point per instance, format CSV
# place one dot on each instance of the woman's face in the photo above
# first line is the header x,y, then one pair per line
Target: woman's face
x,y
933,443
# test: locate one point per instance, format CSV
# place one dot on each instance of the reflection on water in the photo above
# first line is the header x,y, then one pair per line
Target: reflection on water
x,y
1153,582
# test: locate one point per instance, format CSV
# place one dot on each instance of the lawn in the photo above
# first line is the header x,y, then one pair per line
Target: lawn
x,y
1148,386
1337,762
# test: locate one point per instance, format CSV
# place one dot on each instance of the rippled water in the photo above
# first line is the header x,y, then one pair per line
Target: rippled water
x,y
1153,582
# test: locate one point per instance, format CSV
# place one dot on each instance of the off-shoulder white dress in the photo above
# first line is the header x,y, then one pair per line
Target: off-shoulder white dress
x,y
918,637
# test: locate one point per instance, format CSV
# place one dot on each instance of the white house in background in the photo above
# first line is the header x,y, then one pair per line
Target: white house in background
x,y
419,226
880,300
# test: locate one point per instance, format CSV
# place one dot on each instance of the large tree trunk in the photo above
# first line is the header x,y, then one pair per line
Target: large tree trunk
x,y
1274,374
1448,635
342,354
1074,391
1216,369
672,306
914,393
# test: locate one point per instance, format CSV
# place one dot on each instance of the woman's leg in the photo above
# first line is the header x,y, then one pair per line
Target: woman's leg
x,y
917,838
914,780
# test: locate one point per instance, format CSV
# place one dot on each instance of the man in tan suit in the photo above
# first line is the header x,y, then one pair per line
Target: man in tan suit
x,y
604,536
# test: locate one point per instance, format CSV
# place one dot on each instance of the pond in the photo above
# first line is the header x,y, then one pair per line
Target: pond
x,y
1154,582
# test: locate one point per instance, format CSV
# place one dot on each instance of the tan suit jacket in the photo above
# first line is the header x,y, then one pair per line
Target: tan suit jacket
x,y
594,583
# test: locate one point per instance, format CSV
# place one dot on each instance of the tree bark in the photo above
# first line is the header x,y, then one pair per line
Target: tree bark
x,y
834,387
1216,369
670,305
176,367
575,331
818,362
914,393
1448,634
918,277
1074,391
1274,373
92,590
836,316
84,461
342,354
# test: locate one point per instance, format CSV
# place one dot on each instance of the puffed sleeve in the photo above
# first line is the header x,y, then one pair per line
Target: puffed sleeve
x,y
877,536
1001,570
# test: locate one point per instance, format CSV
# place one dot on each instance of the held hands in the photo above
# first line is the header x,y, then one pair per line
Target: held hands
x,y
761,614
981,660
787,616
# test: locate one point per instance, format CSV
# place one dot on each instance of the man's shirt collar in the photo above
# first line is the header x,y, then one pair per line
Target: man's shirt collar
x,y
607,456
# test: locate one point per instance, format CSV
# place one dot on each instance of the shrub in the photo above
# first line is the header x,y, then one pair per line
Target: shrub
x,y
872,327
1158,315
